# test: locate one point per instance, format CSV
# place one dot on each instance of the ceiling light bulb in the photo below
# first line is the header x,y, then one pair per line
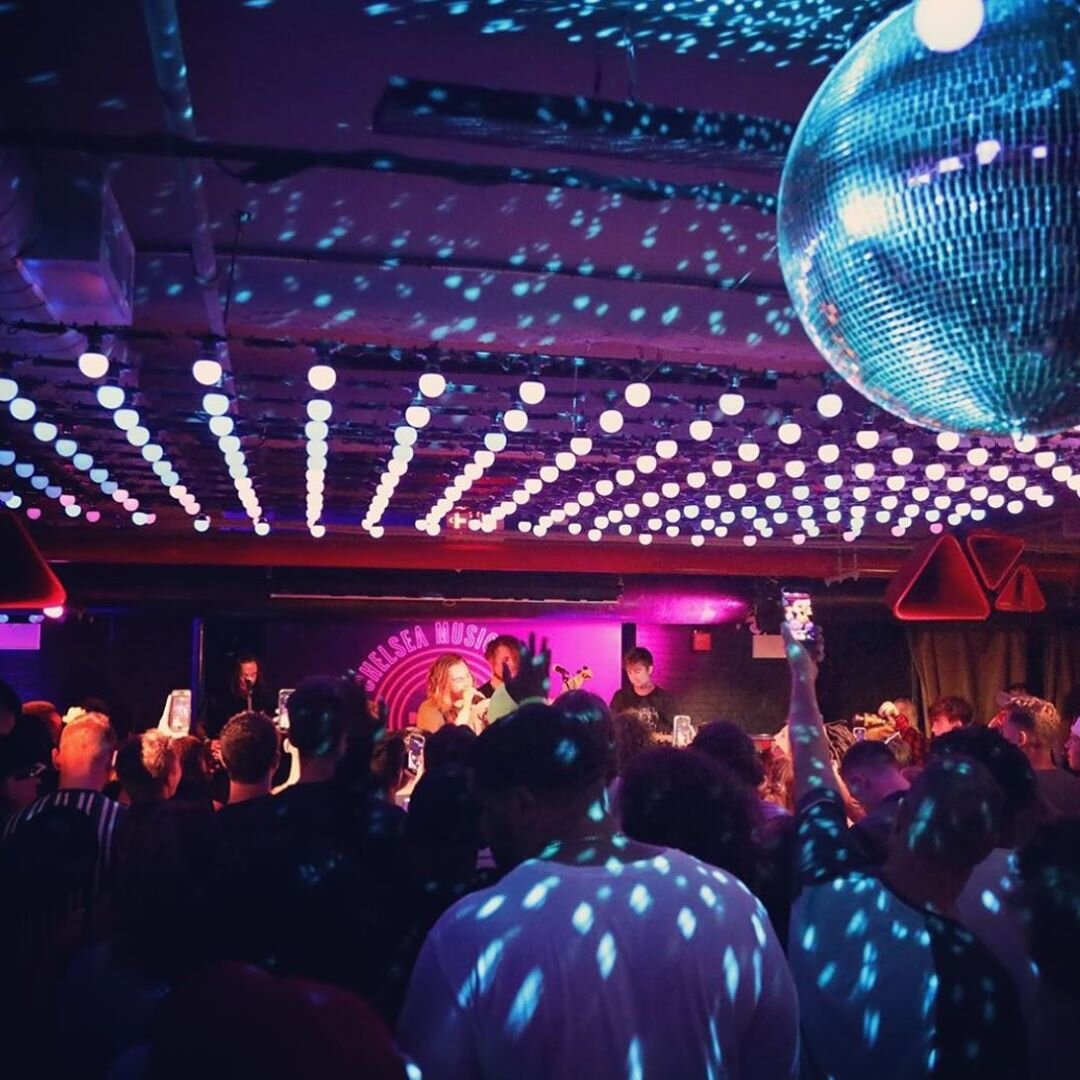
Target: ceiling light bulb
x,y
624,477
515,420
789,433
1025,444
667,449
8,388
948,440
93,363
611,421
867,438
548,474
66,447
794,468
417,416
320,410
125,419
138,436
935,471
565,461
864,470
581,445
903,455
721,468
1045,459
701,430
221,426
830,405
978,456
766,480
22,409
322,378
749,451
731,403
215,404
603,487
45,431
495,442
206,371
828,453
532,391
637,395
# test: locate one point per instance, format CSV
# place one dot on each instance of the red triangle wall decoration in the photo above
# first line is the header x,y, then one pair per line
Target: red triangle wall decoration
x,y
26,581
937,582
994,555
1021,592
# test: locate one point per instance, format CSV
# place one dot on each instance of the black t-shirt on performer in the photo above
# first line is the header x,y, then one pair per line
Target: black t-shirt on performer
x,y
657,707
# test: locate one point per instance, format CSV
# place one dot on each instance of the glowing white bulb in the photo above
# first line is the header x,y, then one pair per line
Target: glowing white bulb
x,y
794,468
565,461
22,409
948,25
645,464
611,421
495,442
903,455
581,445
637,394
935,471
603,487
701,430
749,451
549,474
221,426
1025,444
624,477
417,416
948,440
44,431
830,405
320,410
515,420
732,403
978,456
94,364
828,453
9,388
867,438
322,377
721,469
864,470
667,449
532,391
766,480
261,528
206,372
213,403
1045,459
789,433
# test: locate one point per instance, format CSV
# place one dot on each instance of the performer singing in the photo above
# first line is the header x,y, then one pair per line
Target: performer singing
x,y
246,691
452,697
504,649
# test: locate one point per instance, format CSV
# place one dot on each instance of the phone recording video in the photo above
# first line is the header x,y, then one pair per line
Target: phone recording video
x,y
798,614
414,747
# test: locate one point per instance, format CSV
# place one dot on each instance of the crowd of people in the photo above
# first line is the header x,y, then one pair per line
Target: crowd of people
x,y
567,893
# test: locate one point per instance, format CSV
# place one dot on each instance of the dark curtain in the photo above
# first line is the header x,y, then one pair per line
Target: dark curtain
x,y
972,662
1061,670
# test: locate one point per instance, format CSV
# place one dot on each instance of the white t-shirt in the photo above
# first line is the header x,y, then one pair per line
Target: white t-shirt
x,y
661,968
888,991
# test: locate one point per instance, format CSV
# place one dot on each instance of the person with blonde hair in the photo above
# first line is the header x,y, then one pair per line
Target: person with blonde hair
x,y
452,697
1035,726
84,760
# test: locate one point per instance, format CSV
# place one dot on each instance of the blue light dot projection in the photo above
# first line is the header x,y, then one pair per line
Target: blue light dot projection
x,y
812,32
929,223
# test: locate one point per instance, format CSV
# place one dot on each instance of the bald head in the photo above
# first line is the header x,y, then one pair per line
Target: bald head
x,y
86,751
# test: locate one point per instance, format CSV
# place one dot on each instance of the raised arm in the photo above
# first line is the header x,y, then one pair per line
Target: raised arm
x,y
806,728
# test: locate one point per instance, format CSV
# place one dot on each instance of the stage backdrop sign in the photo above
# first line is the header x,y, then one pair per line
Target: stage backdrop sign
x,y
392,658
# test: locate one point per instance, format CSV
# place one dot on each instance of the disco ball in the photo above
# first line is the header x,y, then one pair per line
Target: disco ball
x,y
929,221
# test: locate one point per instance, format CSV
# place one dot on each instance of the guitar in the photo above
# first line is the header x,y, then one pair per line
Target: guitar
x,y
575,681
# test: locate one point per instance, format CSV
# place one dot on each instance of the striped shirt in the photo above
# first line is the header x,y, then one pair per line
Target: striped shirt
x,y
105,813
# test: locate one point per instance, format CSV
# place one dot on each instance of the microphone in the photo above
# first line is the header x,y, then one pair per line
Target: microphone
x,y
560,670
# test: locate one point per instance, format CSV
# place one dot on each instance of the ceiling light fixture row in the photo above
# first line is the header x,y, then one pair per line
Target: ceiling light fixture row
x,y
494,443
321,378
218,405
417,417
26,471
22,408
127,419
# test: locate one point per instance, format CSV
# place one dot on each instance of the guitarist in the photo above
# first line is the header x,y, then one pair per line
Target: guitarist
x,y
652,702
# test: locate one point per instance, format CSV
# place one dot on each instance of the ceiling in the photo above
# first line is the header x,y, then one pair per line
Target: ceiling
x,y
396,190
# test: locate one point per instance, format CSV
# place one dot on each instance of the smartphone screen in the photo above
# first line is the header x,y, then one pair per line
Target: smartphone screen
x,y
682,731
798,614
414,746
179,712
283,709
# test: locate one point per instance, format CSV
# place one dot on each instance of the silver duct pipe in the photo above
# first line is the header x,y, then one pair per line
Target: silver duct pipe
x,y
170,68
18,297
